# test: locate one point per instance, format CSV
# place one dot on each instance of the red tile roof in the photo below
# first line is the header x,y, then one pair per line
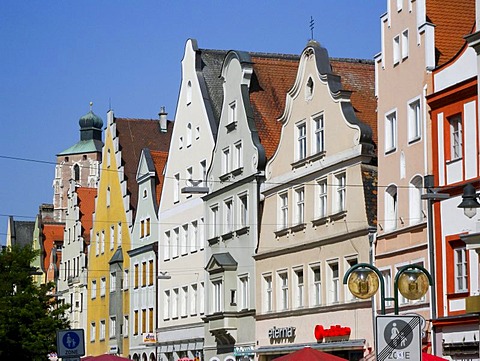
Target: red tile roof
x,y
159,161
86,203
358,76
275,77
52,233
134,135
453,20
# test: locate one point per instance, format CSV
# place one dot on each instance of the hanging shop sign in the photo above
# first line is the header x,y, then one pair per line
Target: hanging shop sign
x,y
149,338
281,332
243,351
333,332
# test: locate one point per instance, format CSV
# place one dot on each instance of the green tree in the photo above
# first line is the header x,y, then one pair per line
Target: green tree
x,y
29,315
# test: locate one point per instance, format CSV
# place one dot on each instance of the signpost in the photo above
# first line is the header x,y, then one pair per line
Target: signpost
x,y
70,344
398,338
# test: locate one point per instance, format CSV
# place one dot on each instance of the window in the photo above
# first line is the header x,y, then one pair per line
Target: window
x,y
283,210
213,221
201,236
180,142
189,176
387,279
184,240
322,198
238,155
103,286
415,203
144,320
113,326
283,289
461,274
405,44
147,227
144,274
76,172
175,303
399,5
217,296
150,320
135,322
319,135
316,285
125,279
309,89
341,192
334,290
226,160
184,305
135,276
301,141
102,330
193,299
194,236
228,208
93,292
125,326
203,169
176,243
414,121
391,208
243,283
176,188
102,242
119,233
108,158
112,237
108,197
349,264
299,288
189,92
202,299
97,244
396,50
151,272
232,112
456,137
189,134
166,304
391,132
167,245
93,332
268,293
300,209
113,281
243,203
197,133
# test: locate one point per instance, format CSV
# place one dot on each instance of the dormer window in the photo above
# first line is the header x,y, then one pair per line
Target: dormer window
x,y
232,112
309,89
189,92
189,134
76,172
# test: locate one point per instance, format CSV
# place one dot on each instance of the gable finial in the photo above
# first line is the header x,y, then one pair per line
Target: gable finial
x,y
91,105
312,25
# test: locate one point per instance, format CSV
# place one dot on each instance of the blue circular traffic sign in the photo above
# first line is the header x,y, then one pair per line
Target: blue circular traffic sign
x,y
70,340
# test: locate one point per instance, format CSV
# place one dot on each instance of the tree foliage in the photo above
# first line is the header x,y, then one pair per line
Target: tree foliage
x,y
29,314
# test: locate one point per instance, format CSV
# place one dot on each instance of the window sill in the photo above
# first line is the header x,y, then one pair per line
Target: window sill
x,y
298,227
227,235
312,158
231,126
451,161
225,177
320,221
390,151
237,171
213,240
242,231
292,229
338,215
414,140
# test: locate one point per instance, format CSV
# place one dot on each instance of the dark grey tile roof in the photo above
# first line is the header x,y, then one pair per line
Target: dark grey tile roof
x,y
22,232
117,256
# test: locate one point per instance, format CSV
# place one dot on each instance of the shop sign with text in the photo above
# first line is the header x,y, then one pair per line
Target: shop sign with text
x,y
281,332
333,332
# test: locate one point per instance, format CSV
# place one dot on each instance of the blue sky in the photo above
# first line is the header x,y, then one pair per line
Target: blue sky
x,y
57,56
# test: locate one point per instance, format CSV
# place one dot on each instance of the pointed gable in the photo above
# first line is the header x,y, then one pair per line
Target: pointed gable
x,y
220,262
134,135
159,161
86,203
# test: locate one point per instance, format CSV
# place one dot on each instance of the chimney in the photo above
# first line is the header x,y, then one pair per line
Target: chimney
x,y
163,120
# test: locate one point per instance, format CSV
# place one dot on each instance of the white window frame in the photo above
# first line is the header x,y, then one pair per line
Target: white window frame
x,y
184,240
176,242
396,49
334,278
175,302
456,136
415,200
217,295
193,299
391,131
228,215
232,112
243,284
300,205
103,286
167,245
189,135
282,281
341,191
387,280
214,221
301,140
391,208
315,284
93,293
299,279
267,292
283,210
176,188
319,133
112,328
243,210
405,44
113,281
322,198
194,236
238,147
349,263
414,120
461,269
226,161
184,302
166,304
112,237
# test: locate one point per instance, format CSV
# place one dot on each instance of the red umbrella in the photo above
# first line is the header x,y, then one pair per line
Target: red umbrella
x,y
105,357
309,354
430,357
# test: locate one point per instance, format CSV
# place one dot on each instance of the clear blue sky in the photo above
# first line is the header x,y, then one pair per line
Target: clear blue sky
x,y
57,56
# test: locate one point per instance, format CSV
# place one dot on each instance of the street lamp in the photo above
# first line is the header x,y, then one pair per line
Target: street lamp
x,y
469,201
412,281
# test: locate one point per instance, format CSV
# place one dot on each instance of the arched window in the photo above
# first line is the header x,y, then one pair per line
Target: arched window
x,y
309,88
189,134
76,172
391,208
415,201
189,92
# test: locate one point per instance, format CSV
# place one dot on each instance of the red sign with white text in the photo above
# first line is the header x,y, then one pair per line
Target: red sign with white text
x,y
334,331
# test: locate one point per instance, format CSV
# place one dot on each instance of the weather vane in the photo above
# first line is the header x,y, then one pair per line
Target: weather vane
x,y
312,25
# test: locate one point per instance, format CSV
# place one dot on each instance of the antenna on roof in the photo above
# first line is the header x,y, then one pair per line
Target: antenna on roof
x,y
91,105
109,103
312,25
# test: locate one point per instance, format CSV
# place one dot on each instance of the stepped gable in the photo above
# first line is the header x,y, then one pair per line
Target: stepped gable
x,y
453,20
358,76
211,67
274,75
86,204
159,161
134,135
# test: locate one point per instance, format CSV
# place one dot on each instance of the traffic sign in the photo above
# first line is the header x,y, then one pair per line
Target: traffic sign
x,y
398,338
70,343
